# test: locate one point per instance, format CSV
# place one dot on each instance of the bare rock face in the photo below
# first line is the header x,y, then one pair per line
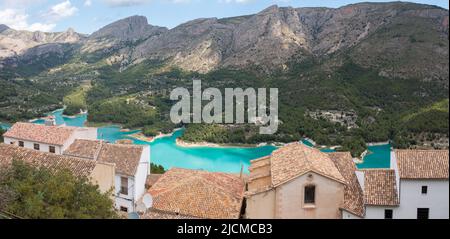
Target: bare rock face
x,y
116,34
129,29
14,43
373,35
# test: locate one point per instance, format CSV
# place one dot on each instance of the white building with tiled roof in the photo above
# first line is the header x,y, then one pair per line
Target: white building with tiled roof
x,y
297,182
132,166
52,139
99,173
416,186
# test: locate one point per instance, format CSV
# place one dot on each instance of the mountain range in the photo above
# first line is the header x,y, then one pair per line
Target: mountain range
x,y
384,56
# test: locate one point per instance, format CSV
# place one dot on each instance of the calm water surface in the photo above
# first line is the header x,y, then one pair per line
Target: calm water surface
x,y
166,152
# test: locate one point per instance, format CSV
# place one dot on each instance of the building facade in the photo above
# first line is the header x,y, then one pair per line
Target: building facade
x,y
132,166
51,139
299,182
303,183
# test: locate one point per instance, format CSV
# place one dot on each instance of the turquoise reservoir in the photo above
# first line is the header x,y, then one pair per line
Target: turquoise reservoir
x,y
165,151
379,156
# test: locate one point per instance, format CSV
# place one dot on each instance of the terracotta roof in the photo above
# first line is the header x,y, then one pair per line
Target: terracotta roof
x,y
79,167
380,187
199,194
126,157
422,164
297,159
157,214
56,135
152,179
84,148
353,193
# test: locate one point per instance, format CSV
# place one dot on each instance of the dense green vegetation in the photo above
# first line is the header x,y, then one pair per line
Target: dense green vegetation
x,y
156,169
34,193
402,107
2,131
76,100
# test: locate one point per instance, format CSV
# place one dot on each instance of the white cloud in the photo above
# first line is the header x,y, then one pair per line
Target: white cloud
x,y
61,10
124,3
18,20
87,3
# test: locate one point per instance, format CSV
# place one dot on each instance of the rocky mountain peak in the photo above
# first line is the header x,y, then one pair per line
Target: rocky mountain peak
x,y
3,27
128,29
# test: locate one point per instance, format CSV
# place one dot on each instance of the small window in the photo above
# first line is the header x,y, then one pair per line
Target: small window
x,y
310,194
11,143
424,189
21,144
388,214
37,146
51,149
123,209
124,185
423,213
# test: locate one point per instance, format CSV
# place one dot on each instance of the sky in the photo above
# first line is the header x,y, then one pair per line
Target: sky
x,y
87,16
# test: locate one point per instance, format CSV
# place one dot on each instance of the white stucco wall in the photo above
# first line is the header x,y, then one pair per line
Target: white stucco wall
x,y
30,145
377,212
141,174
411,198
121,199
81,133
136,184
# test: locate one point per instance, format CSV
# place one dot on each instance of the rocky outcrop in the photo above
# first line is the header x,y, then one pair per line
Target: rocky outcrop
x,y
368,33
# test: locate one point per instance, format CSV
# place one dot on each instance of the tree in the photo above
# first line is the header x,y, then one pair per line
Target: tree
x,y
1,135
42,194
156,169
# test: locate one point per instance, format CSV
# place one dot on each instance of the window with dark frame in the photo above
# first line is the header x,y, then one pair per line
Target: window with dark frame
x,y
36,146
424,189
423,213
123,209
51,149
388,214
21,144
310,194
124,185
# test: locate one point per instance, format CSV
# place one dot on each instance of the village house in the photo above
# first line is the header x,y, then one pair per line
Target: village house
x,y
188,194
132,166
416,186
297,181
99,173
52,139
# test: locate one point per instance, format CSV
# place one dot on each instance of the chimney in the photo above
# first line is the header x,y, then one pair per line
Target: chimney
x,y
50,121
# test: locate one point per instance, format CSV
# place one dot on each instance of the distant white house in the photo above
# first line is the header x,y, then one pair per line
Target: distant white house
x,y
44,138
132,164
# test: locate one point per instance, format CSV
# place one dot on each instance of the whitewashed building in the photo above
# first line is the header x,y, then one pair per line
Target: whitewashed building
x,y
416,187
132,165
52,139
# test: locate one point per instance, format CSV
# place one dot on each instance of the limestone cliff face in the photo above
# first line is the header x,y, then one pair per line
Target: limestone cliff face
x,y
413,36
14,43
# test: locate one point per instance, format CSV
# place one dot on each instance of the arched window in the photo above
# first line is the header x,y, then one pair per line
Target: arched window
x,y
310,194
